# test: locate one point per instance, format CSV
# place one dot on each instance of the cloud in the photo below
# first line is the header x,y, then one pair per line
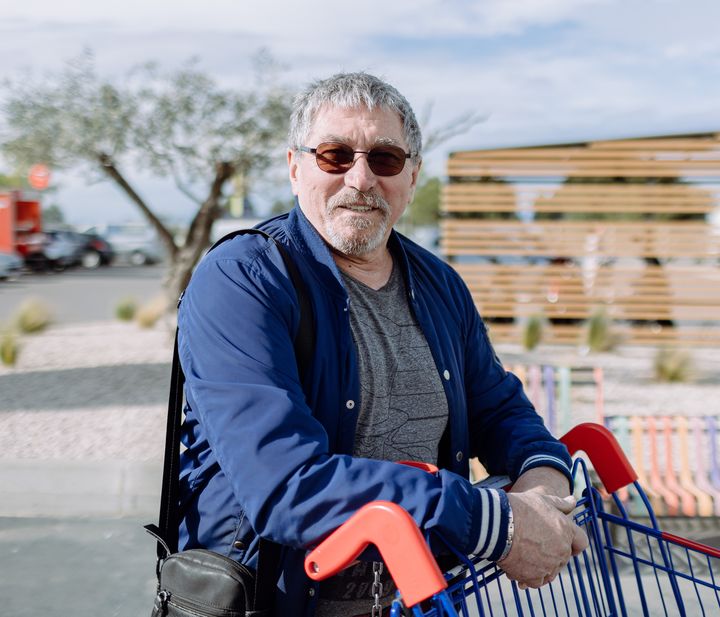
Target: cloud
x,y
544,71
298,20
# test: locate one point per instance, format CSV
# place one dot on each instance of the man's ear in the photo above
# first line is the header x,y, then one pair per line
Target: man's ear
x,y
293,169
414,179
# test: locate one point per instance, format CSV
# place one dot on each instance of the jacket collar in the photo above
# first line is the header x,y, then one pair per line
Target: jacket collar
x,y
306,239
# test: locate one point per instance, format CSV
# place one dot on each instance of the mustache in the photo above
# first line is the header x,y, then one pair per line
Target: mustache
x,y
354,197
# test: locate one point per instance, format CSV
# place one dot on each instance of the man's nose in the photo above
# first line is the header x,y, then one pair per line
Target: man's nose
x,y
360,176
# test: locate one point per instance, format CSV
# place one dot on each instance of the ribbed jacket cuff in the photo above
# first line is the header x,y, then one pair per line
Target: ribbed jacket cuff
x,y
547,460
494,520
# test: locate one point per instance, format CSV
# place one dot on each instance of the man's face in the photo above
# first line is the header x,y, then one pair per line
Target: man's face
x,y
354,212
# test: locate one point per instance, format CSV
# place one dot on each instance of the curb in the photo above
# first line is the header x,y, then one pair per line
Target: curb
x,y
39,488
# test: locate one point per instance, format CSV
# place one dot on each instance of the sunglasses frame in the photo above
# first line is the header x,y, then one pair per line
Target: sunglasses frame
x,y
314,152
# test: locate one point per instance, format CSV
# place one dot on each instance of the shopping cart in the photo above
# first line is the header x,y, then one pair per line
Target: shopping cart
x,y
629,568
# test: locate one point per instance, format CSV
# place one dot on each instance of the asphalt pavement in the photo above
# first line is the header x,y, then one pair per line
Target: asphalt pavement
x,y
74,565
80,295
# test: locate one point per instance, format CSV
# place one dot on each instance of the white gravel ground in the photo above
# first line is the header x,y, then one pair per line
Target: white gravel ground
x,y
98,391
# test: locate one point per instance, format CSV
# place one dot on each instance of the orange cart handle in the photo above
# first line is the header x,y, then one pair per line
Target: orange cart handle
x,y
604,452
396,535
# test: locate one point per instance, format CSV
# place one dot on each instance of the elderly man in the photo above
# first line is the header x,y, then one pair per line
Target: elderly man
x,y
402,369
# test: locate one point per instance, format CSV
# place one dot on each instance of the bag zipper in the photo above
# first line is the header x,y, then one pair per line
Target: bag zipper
x,y
166,598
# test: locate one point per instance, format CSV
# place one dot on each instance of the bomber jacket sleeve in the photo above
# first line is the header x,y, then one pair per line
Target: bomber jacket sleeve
x,y
506,433
237,321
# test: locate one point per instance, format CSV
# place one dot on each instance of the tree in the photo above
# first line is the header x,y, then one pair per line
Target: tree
x,y
425,206
13,181
53,214
181,125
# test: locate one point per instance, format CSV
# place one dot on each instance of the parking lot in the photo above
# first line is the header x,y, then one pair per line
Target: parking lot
x,y
76,558
80,295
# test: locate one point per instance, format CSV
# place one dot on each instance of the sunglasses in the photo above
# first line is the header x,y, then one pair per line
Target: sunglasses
x,y
337,158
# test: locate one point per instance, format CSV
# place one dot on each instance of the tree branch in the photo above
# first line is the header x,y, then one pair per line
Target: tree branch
x,y
108,166
456,126
182,187
199,231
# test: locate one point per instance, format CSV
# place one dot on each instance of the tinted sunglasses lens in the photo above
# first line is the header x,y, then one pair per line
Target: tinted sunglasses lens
x,y
334,158
386,160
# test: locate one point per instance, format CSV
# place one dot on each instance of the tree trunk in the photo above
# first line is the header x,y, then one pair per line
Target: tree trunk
x,y
182,259
109,167
198,238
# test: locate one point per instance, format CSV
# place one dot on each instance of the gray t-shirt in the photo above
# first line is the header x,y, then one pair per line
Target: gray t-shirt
x,y
403,412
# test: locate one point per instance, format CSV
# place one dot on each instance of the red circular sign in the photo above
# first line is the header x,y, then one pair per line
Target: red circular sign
x,y
39,176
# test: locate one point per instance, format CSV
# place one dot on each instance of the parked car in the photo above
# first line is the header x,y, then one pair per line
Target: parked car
x,y
11,266
96,250
54,250
136,243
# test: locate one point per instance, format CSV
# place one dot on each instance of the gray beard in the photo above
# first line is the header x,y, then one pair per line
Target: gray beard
x,y
360,238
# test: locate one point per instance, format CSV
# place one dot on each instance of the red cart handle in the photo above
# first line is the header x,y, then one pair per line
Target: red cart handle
x,y
396,535
604,452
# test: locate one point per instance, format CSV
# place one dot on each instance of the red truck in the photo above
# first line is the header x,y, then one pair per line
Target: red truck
x,y
20,223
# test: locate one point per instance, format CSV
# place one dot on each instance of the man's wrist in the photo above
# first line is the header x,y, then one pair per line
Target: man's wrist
x,y
493,515
510,535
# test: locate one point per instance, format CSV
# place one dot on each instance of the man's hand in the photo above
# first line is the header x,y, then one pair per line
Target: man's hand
x,y
545,538
545,480
550,481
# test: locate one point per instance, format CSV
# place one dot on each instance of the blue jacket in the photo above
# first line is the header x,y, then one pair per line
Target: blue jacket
x,y
270,454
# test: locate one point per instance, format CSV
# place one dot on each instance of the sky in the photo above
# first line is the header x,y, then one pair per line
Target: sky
x,y
539,71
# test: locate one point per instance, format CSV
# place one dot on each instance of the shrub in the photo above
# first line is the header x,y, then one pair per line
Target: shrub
x,y
599,332
674,365
532,332
148,314
9,348
126,309
33,316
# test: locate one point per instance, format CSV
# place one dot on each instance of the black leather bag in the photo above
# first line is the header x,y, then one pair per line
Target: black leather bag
x,y
199,582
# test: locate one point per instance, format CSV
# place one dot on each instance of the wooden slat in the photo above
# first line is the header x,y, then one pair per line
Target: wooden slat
x,y
699,142
584,189
621,155
703,281
696,142
552,295
582,310
582,169
574,335
594,198
579,238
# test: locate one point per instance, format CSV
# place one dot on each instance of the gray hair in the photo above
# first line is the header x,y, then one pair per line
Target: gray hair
x,y
348,90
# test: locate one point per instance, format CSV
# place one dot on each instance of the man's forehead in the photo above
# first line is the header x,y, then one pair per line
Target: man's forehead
x,y
325,127
345,139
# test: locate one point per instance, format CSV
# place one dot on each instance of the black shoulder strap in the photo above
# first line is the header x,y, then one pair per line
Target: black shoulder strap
x,y
166,532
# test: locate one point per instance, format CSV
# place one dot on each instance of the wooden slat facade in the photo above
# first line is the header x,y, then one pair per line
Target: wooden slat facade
x,y
564,230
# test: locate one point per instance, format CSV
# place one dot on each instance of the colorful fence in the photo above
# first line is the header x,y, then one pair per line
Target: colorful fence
x,y
550,390
677,458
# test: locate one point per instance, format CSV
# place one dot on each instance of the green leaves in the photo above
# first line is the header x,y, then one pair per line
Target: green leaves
x,y
177,124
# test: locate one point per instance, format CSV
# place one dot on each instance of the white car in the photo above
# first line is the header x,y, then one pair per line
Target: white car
x,y
11,266
136,243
